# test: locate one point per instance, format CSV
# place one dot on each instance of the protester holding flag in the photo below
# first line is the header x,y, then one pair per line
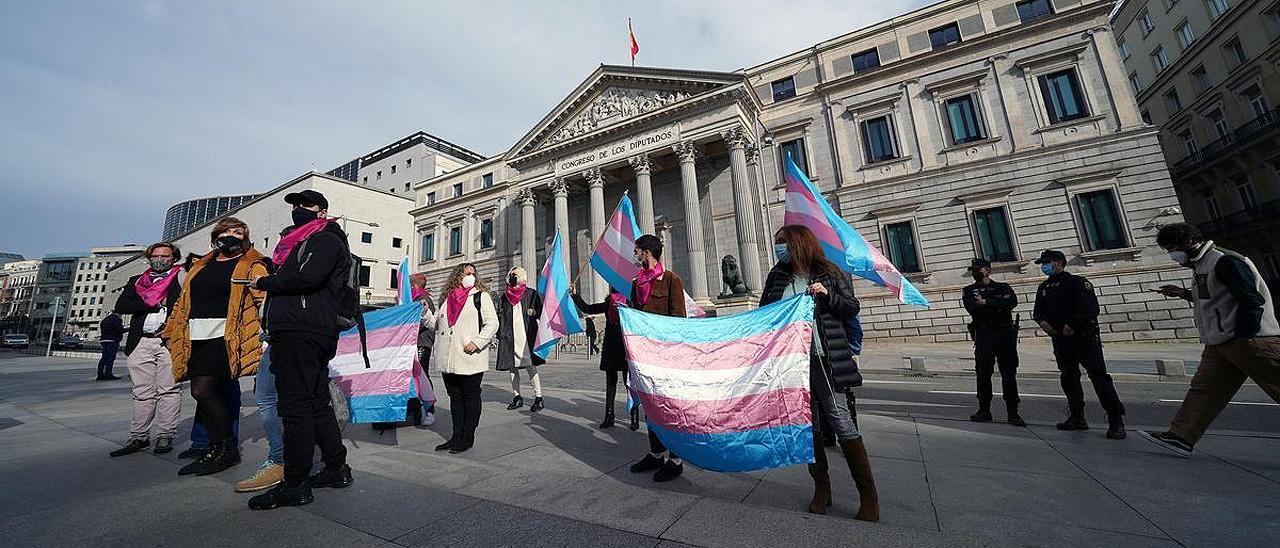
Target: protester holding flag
x,y
518,310
426,335
613,354
657,291
464,326
803,268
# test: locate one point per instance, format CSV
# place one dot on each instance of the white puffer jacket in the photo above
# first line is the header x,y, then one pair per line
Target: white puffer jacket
x,y
447,354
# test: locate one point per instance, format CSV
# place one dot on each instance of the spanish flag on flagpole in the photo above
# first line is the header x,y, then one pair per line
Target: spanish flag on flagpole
x,y
635,46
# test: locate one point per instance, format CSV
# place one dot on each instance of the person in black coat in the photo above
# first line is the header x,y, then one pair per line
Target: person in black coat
x,y
803,269
518,310
111,332
995,339
613,355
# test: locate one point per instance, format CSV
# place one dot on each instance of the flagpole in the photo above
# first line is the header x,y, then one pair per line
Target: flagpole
x,y
596,244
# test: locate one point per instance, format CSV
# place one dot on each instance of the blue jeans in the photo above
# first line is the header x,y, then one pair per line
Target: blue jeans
x,y
200,434
264,391
109,349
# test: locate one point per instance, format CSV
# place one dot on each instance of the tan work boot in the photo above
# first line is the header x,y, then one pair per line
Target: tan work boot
x,y
268,475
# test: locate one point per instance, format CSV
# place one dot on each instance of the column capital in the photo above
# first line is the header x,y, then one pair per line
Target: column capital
x,y
753,154
526,197
559,188
595,178
736,137
640,163
469,212
686,150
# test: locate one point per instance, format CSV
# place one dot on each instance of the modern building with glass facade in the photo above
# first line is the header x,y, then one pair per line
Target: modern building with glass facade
x,y
192,213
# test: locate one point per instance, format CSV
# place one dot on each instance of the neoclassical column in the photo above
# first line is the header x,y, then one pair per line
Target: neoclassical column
x,y
1019,133
644,193
595,184
469,234
560,193
441,240
744,215
928,151
528,231
1126,108
697,280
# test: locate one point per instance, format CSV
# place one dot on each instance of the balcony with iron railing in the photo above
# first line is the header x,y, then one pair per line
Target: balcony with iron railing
x,y
1222,148
1242,221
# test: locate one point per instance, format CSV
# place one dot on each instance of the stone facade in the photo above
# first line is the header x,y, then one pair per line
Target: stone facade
x,y
699,153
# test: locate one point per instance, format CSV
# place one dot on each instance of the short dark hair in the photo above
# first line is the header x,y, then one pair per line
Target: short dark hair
x,y
1178,234
177,255
650,243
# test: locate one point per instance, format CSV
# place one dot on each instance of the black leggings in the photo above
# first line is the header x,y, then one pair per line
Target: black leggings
x,y
611,387
211,409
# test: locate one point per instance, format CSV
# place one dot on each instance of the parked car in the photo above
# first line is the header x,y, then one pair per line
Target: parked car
x,y
68,342
16,340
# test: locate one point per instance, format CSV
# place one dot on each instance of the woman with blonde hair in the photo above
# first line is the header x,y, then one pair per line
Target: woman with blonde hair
x,y
518,310
464,325
213,335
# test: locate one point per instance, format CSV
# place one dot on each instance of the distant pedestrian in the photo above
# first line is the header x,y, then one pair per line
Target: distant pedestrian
x,y
519,308
592,347
1067,310
157,399
465,325
111,332
1237,323
803,269
995,339
613,353
426,337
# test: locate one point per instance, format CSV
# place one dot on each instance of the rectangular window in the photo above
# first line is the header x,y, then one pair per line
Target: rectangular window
x,y
486,234
1200,79
1211,208
379,177
1146,117
365,273
457,190
366,237
1189,141
1159,59
1169,4
1218,122
455,241
393,169
1063,98
1234,52
783,89
406,187
877,137
431,198
1185,35
962,116
1134,83
487,180
900,240
1144,21
944,36
866,60
1172,102
1100,217
795,149
1216,8
366,179
1030,10
995,239
1257,102
396,243
408,162
395,279
1125,52
428,248
1248,198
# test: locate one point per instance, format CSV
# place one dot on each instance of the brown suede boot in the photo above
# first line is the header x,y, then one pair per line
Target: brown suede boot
x,y
821,480
855,453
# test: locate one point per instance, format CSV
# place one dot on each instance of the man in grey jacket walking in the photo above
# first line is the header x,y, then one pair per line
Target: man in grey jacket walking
x,y
1237,324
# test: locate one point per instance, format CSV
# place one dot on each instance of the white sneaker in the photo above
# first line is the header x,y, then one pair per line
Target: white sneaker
x,y
428,419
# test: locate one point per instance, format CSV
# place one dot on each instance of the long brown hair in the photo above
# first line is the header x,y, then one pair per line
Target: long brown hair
x,y
455,280
806,252
228,223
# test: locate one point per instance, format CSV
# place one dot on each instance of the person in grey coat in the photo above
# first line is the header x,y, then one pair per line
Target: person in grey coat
x,y
518,310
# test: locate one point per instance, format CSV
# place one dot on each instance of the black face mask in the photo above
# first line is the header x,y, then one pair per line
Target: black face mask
x,y
977,276
230,245
303,216
512,280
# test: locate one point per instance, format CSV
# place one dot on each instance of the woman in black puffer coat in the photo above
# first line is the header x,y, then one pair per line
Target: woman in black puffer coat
x,y
802,268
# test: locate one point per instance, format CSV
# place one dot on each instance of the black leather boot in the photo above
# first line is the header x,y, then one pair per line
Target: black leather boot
x,y
223,455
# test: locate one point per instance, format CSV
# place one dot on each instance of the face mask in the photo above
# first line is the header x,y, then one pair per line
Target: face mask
x,y
978,277
1181,257
512,280
160,265
303,216
1047,268
782,253
639,259
469,281
230,245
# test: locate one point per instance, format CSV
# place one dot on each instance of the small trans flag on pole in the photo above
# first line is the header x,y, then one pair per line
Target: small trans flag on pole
x,y
612,257
559,317
405,293
841,243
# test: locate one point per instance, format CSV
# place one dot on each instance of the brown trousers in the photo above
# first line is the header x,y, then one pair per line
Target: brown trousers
x,y
1223,369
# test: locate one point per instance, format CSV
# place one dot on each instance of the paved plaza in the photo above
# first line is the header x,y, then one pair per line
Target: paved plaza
x,y
554,479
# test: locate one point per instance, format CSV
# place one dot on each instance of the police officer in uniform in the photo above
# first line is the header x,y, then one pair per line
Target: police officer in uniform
x,y
995,339
1067,310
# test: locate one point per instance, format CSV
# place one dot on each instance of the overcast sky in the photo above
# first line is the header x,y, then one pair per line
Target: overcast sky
x,y
112,111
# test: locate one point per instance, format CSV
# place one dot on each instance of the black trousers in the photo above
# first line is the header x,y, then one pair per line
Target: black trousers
x,y
611,387
300,362
464,404
994,346
1085,351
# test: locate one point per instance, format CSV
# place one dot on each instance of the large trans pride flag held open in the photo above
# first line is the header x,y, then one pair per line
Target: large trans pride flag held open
x,y
729,394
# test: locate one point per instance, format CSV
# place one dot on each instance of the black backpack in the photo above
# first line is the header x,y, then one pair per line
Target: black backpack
x,y
348,305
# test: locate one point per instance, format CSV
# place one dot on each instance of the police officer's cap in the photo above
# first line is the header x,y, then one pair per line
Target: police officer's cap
x,y
1051,255
978,263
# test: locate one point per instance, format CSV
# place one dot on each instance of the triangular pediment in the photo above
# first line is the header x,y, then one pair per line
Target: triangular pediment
x,y
612,96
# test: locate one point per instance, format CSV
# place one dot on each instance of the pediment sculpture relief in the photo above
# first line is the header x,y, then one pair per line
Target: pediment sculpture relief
x,y
613,106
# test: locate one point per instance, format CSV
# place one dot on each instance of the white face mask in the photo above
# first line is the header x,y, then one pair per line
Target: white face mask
x,y
1180,257
469,281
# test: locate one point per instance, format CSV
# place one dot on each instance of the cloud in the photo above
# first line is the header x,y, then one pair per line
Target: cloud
x,y
114,111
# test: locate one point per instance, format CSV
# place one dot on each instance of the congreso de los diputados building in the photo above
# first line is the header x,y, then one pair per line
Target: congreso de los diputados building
x,y
992,128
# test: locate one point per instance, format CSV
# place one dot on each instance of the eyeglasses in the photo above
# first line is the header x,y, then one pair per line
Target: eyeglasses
x,y
161,257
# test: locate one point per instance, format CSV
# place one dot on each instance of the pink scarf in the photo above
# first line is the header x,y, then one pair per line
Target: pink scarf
x,y
457,299
644,282
616,299
294,237
153,291
417,293
515,293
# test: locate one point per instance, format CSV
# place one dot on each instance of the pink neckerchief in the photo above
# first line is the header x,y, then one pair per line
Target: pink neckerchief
x,y
153,290
515,293
644,282
616,299
416,293
294,237
457,299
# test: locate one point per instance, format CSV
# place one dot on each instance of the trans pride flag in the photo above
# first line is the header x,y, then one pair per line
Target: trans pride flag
x,y
612,258
559,317
842,244
729,394
404,295
381,391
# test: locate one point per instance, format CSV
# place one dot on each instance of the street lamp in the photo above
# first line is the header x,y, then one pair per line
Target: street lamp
x,y
345,219
53,322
